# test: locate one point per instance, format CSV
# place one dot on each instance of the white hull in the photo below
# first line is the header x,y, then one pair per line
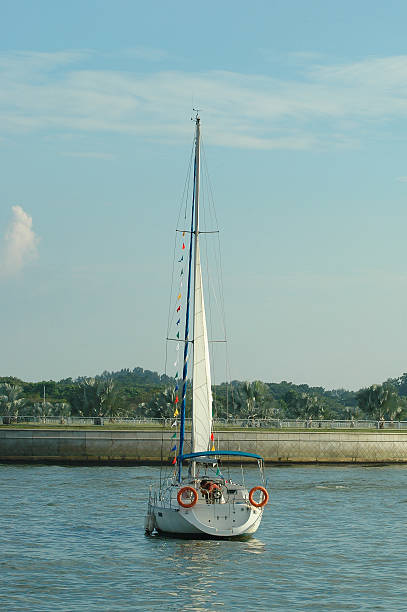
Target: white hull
x,y
235,517
214,520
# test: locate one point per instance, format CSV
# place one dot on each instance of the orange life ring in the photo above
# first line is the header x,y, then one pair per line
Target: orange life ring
x,y
194,497
263,501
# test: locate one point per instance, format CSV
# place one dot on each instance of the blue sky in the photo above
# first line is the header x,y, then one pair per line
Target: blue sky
x,y
304,108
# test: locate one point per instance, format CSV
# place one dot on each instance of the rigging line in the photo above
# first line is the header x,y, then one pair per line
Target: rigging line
x,y
188,183
213,306
212,209
185,192
186,333
220,277
170,304
191,341
175,312
229,387
205,265
189,232
219,305
211,325
183,198
161,452
206,172
221,288
213,294
218,262
171,308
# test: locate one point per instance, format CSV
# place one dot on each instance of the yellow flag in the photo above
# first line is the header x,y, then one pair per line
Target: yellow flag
x,y
213,448
179,296
176,413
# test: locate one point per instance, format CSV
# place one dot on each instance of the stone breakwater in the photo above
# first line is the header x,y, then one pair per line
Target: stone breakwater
x,y
149,446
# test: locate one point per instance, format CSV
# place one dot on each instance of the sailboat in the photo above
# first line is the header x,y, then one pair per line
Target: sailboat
x,y
197,500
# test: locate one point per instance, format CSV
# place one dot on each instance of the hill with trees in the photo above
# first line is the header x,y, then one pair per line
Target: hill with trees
x,y
142,393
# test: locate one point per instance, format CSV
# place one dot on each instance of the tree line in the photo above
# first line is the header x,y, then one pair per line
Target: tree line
x,y
142,393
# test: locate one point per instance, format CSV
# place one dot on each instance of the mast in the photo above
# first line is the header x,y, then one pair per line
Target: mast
x,y
197,176
201,392
201,376
186,335
196,241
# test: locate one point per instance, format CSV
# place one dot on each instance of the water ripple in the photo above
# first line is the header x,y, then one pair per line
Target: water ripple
x,y
333,538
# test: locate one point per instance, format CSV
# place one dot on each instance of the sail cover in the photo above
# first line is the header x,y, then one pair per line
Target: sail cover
x,y
201,391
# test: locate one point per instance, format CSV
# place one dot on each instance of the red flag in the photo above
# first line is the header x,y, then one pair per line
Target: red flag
x,y
179,308
174,461
176,399
212,437
183,246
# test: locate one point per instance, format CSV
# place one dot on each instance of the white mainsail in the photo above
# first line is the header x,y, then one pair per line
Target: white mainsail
x,y
201,375
201,390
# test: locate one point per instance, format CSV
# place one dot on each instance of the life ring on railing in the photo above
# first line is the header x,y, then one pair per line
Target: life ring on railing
x,y
181,493
263,501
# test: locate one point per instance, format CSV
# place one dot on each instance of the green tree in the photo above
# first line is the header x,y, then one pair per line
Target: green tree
x,y
11,399
379,401
98,398
304,405
108,398
43,409
161,405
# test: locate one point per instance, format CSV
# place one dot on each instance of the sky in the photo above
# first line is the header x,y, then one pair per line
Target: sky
x,y
303,108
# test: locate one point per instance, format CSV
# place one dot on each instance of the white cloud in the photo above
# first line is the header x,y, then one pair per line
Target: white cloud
x,y
150,54
324,106
32,64
19,243
88,154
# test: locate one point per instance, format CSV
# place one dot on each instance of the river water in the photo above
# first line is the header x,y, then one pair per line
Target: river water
x,y
332,538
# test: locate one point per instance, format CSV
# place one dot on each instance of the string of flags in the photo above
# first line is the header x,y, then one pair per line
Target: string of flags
x,y
213,443
176,364
178,309
174,448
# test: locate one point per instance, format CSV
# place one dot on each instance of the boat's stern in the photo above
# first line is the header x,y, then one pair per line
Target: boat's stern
x,y
217,508
224,520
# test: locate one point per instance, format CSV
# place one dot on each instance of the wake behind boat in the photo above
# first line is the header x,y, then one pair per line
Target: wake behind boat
x,y
197,499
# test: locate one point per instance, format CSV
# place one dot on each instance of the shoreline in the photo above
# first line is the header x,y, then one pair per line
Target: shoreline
x,y
142,446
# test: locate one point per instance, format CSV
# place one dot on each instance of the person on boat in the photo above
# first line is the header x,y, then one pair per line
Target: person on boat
x,y
210,490
205,484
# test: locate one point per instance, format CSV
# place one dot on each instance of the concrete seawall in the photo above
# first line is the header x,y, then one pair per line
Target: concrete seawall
x,y
144,446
